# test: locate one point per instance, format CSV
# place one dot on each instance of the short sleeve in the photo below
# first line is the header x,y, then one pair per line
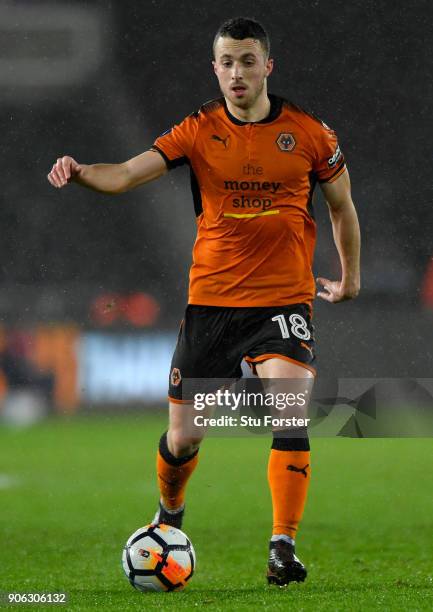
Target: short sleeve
x,y
176,144
329,161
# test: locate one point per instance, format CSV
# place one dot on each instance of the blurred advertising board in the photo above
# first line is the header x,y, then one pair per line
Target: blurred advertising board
x,y
70,367
122,368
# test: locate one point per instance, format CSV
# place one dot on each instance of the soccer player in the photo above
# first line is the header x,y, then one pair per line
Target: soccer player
x,y
255,159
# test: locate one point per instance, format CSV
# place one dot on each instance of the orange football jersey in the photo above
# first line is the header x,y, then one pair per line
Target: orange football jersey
x,y
252,186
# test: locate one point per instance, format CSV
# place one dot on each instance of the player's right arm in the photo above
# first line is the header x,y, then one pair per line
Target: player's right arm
x,y
109,178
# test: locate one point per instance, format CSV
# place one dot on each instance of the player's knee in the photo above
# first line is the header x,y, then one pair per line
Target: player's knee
x,y
180,443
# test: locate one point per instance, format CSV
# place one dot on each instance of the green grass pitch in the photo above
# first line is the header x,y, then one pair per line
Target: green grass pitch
x,y
73,491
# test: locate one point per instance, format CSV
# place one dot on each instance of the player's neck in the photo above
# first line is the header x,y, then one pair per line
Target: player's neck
x,y
260,110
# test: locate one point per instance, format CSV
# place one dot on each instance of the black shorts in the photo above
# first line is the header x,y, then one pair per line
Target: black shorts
x,y
213,340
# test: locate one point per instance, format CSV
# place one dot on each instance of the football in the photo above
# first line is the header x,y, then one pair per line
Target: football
x,y
158,558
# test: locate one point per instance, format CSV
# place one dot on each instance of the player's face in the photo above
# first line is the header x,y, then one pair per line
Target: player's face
x,y
241,67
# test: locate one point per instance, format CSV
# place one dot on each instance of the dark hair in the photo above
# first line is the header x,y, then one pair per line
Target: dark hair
x,y
243,27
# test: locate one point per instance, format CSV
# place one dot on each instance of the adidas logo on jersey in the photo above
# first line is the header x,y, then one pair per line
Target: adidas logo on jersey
x,y
334,159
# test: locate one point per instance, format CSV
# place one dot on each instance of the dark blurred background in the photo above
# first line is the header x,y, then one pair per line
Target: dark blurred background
x,y
101,80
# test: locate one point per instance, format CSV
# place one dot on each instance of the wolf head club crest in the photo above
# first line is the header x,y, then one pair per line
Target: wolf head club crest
x,y
286,141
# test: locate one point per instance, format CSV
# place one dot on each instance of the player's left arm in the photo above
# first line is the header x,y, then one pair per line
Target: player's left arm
x,y
345,227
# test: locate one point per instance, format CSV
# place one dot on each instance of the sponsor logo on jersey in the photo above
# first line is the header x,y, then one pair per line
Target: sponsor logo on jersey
x,y
332,161
225,141
286,141
258,202
252,186
175,377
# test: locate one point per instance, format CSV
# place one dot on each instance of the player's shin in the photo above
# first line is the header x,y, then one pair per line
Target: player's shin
x,y
173,474
289,477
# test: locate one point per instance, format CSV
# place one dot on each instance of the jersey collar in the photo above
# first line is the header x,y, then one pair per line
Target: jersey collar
x,y
275,110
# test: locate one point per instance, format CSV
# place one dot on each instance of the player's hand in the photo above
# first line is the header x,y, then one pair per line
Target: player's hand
x,y
337,291
63,171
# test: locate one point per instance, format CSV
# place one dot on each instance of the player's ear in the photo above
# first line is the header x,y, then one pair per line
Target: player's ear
x,y
214,64
269,66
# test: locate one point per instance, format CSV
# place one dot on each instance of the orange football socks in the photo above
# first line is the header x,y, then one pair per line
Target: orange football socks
x,y
289,477
173,474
